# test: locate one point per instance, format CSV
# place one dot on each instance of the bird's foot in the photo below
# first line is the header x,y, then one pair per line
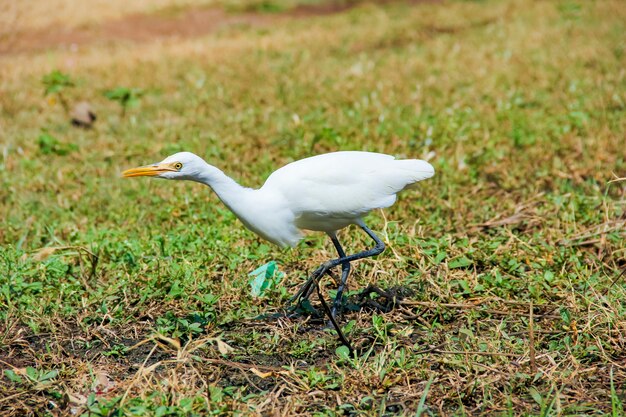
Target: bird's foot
x,y
300,304
337,306
321,270
309,286
303,308
312,284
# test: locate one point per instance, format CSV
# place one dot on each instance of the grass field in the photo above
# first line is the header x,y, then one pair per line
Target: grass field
x,y
132,297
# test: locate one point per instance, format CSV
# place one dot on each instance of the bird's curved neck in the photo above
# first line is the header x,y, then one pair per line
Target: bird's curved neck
x,y
258,209
227,189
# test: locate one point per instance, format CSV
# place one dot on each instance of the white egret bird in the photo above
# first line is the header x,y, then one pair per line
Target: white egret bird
x,y
322,193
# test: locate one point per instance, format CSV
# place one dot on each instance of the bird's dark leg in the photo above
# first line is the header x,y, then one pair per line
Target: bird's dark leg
x,y
345,271
343,260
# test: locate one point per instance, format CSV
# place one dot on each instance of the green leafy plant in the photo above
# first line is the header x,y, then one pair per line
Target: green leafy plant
x,y
100,406
48,144
184,327
39,379
55,83
126,97
116,351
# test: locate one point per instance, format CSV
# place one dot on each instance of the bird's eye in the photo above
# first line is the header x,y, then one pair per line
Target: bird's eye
x,y
178,166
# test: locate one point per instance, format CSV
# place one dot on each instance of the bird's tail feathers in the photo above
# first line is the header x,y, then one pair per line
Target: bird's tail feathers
x,y
416,170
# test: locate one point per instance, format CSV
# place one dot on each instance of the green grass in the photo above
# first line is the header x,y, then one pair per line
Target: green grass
x,y
141,303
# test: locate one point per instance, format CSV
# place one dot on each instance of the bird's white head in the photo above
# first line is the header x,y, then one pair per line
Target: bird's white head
x,y
180,166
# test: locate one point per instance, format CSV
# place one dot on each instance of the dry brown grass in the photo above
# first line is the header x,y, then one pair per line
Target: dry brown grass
x,y
39,14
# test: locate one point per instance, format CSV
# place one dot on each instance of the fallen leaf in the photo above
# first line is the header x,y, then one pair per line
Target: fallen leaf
x,y
44,253
224,347
102,382
173,342
260,374
76,398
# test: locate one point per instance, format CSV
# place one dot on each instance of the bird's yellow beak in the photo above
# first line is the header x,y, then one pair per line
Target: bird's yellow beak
x,y
148,170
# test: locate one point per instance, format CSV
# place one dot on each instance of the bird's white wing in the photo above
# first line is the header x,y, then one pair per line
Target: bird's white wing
x,y
346,184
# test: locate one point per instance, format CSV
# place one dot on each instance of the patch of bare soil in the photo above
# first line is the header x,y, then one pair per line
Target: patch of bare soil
x,y
116,357
191,23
